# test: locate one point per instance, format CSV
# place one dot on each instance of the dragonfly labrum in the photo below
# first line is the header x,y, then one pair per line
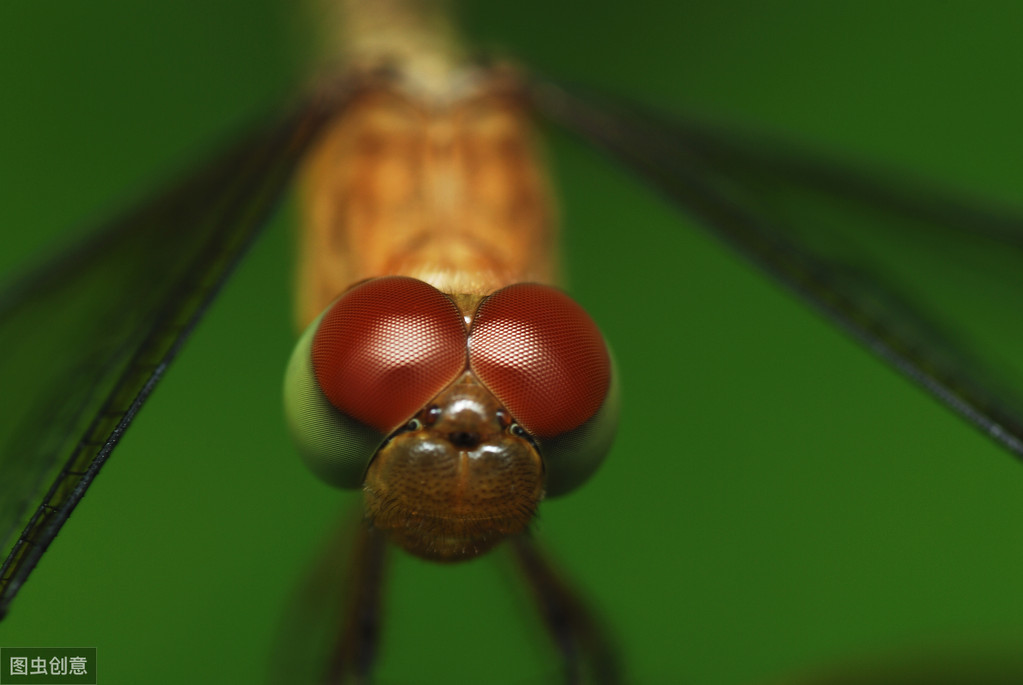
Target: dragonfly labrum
x,y
670,491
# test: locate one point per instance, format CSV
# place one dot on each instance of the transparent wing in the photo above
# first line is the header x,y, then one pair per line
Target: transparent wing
x,y
86,335
926,281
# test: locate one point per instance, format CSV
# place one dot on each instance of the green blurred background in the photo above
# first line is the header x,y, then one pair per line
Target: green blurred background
x,y
776,502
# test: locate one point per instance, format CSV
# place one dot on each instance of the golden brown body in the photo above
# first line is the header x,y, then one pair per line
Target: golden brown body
x,y
449,191
443,184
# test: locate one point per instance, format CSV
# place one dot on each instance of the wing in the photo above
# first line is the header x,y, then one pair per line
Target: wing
x,y
922,279
88,334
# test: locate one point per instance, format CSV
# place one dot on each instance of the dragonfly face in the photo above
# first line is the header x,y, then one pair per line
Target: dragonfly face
x,y
775,494
454,419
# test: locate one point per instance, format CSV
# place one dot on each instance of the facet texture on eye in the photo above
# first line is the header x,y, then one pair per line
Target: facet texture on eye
x,y
542,355
387,346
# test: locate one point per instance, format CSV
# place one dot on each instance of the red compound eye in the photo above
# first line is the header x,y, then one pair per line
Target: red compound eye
x,y
542,356
386,347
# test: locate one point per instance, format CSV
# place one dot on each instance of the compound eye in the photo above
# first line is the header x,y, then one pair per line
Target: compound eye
x,y
543,357
385,348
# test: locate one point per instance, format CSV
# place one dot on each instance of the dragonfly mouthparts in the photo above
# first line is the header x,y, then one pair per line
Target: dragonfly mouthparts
x,y
459,483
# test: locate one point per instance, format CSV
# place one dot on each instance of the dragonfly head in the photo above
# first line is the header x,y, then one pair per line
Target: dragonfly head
x,y
455,418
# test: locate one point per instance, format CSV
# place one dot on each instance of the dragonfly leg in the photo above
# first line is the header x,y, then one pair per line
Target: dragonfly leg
x,y
356,648
581,641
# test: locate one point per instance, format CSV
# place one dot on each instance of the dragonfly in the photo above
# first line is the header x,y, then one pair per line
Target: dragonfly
x,y
786,592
